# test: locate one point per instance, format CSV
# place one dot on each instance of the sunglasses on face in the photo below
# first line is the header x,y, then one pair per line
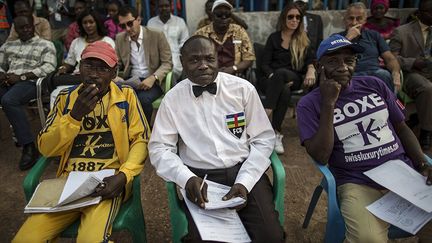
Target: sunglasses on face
x,y
129,24
222,15
292,16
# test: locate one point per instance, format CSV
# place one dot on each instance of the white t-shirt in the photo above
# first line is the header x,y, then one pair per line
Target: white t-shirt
x,y
77,47
176,33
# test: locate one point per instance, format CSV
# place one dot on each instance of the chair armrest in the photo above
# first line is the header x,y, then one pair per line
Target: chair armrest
x,y
168,81
329,184
179,221
136,189
39,102
278,185
31,181
328,176
429,160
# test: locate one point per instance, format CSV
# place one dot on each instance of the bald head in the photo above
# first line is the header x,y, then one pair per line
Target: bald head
x,y
24,27
195,40
199,60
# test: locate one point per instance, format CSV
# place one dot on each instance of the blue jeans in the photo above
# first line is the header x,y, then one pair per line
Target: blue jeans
x,y
146,98
14,100
382,74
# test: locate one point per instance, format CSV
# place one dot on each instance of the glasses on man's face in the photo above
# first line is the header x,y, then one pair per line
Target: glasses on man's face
x,y
338,61
98,69
128,24
292,16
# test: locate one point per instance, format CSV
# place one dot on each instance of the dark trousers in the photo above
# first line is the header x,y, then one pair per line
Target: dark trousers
x,y
146,98
278,93
418,87
14,100
259,217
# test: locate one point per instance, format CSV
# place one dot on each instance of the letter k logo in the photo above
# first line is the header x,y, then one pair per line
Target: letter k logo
x,y
89,145
368,132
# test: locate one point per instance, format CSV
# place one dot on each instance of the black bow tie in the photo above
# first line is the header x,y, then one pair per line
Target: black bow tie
x,y
198,90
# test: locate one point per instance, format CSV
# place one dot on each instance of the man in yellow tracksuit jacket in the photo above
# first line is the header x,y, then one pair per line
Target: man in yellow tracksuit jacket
x,y
96,125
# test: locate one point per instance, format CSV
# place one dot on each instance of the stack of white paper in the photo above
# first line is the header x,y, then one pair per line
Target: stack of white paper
x,y
61,194
400,213
218,223
409,206
215,193
81,184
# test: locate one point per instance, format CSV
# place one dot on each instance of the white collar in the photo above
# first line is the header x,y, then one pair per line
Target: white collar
x,y
140,36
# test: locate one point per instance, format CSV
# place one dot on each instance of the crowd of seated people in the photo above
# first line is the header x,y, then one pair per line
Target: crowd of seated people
x,y
287,65
288,59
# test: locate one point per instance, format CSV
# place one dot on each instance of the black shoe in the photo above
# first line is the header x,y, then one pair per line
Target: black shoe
x,y
29,156
425,139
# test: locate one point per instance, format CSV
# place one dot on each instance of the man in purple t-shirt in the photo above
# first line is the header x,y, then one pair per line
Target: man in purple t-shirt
x,y
355,124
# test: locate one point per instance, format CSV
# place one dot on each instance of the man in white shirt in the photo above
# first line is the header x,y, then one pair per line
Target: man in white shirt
x,y
224,133
143,53
175,31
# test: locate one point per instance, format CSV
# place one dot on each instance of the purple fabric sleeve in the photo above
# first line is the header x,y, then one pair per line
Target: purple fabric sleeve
x,y
308,116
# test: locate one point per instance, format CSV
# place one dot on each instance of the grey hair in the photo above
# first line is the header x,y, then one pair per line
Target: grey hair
x,y
358,5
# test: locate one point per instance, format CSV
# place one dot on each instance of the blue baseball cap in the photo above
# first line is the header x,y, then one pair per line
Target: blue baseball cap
x,y
336,42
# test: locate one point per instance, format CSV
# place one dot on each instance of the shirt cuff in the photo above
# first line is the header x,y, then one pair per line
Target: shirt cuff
x,y
245,180
38,72
183,178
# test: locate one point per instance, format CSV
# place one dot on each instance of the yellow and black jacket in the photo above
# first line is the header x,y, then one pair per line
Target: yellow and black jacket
x,y
114,136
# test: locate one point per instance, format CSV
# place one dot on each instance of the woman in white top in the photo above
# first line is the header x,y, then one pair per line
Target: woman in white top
x,y
91,29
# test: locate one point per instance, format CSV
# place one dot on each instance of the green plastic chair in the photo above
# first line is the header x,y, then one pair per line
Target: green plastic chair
x,y
130,217
179,223
402,95
167,87
59,46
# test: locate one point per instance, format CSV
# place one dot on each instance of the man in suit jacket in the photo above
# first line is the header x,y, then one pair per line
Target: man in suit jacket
x,y
313,24
142,53
411,43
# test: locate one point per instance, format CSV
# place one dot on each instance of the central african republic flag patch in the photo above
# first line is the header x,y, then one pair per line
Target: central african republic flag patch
x,y
236,123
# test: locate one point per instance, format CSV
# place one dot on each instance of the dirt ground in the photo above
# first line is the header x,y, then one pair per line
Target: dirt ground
x,y
302,177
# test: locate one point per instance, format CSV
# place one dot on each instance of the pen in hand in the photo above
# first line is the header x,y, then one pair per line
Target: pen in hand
x,y
203,181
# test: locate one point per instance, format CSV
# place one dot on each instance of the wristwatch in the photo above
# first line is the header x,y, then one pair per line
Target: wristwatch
x,y
235,68
23,77
422,167
156,77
